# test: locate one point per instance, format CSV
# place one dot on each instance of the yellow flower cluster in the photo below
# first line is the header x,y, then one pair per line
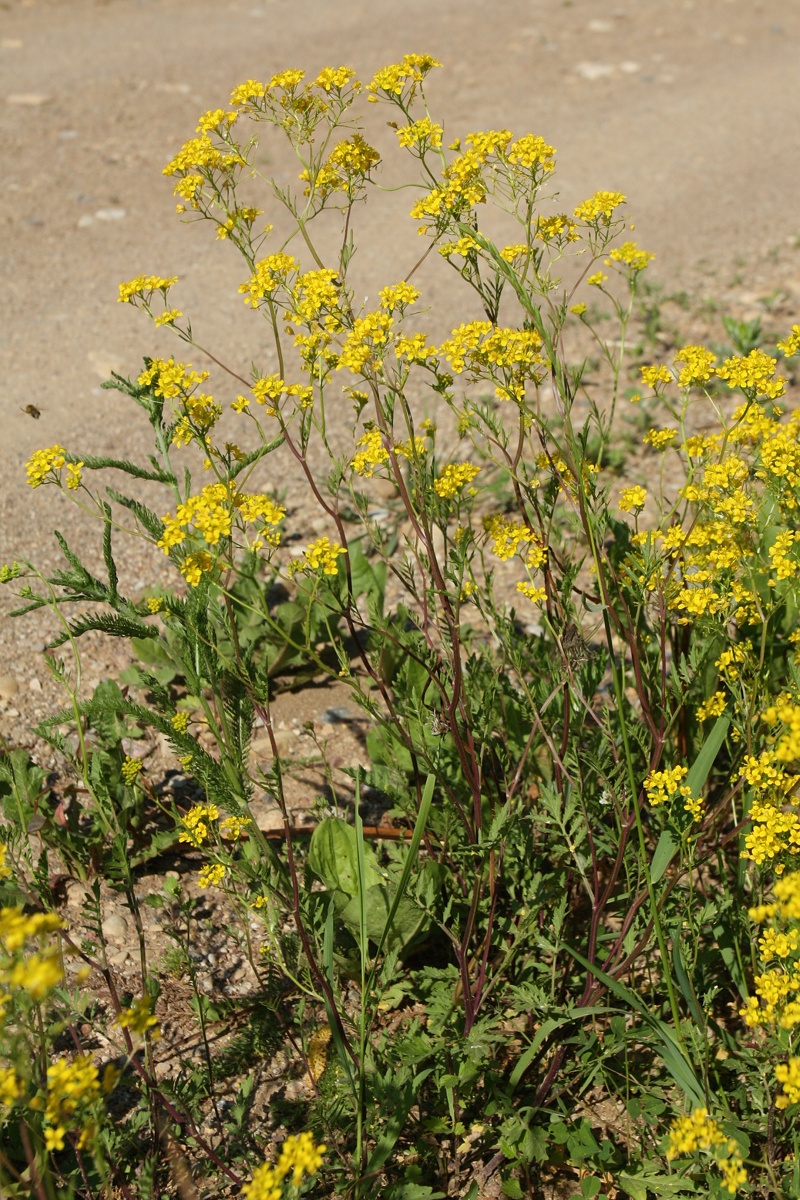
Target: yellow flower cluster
x,y
520,164
369,334
139,1018
776,998
42,462
142,287
559,229
11,1087
170,379
659,439
131,769
424,133
398,296
196,823
753,373
662,787
200,156
507,356
269,274
211,514
211,875
630,255
599,208
713,707
324,553
788,1074
347,165
454,479
631,499
373,452
402,79
72,1088
299,1156
699,1132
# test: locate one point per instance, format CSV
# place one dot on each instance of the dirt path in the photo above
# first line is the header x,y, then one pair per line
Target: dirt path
x,y
690,108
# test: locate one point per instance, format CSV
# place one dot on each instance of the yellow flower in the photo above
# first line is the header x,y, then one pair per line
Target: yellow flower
x,y
597,279
698,365
599,207
659,439
713,707
454,478
533,593
5,870
143,286
194,566
630,254
324,553
393,79
791,345
168,317
423,132
139,1018
42,462
788,1074
131,769
631,499
661,786
180,722
195,823
10,1087
211,875
654,375
754,372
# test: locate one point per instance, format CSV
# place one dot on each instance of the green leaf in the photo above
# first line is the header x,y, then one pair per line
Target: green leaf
x,y
662,855
333,857
672,1054
699,771
638,1186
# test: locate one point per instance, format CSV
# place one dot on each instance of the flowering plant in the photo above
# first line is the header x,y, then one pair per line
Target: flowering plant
x,y
583,700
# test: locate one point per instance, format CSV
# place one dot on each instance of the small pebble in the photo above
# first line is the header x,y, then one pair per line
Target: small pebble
x,y
115,926
27,99
338,715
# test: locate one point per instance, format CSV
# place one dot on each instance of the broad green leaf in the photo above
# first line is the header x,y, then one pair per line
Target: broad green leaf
x,y
333,857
